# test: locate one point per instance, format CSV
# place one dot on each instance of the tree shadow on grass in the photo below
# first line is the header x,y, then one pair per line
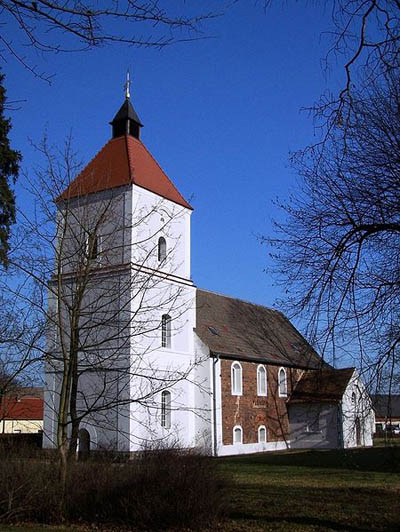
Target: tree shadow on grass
x,y
352,509
380,459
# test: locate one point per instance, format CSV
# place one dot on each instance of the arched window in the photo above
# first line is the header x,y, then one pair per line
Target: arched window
x,y
237,434
353,400
166,409
162,249
166,330
236,378
282,383
261,380
262,434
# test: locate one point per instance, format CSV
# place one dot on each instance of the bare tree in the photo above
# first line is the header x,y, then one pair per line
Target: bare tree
x,y
53,26
110,298
364,38
338,248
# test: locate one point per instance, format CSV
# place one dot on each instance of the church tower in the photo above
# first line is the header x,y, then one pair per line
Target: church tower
x,y
126,234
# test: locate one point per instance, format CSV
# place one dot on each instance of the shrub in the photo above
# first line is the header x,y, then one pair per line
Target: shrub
x,y
157,489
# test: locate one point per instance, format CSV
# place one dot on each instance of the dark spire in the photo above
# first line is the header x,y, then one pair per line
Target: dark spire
x,y
126,121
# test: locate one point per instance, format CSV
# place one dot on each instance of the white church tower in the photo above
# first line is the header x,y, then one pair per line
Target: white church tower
x,y
122,302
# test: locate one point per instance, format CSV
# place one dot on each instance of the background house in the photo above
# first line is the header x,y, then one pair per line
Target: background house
x,y
21,411
387,412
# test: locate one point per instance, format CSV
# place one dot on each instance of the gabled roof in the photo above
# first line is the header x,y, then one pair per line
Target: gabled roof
x,y
123,161
233,328
22,408
386,406
324,385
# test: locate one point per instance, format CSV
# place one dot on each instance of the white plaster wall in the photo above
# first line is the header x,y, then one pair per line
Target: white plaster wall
x,y
328,434
362,409
153,217
161,289
155,368
101,392
248,448
203,396
49,411
106,213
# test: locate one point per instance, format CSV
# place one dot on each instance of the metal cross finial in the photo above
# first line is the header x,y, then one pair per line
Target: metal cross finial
x,y
127,86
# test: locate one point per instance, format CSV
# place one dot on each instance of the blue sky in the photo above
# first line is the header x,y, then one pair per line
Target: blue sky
x,y
221,116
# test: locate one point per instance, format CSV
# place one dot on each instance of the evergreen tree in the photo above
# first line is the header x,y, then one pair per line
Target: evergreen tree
x,y
9,167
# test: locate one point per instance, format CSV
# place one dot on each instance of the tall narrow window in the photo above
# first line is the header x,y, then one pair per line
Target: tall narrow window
x,y
262,434
166,330
236,378
282,383
261,381
237,434
166,409
92,246
353,401
162,249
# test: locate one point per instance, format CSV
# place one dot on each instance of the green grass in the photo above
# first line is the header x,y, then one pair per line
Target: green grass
x,y
356,490
304,491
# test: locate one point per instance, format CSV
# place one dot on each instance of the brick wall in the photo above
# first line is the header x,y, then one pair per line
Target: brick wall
x,y
250,410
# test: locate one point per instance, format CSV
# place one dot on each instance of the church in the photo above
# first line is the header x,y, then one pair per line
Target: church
x,y
140,357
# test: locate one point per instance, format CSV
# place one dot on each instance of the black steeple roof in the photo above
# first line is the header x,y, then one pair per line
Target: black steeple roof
x,y
126,111
126,121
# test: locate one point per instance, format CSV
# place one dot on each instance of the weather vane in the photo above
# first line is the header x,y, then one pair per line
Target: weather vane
x,y
127,86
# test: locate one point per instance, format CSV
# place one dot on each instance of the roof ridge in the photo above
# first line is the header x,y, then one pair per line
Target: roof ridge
x,y
129,159
242,300
74,181
149,152
338,369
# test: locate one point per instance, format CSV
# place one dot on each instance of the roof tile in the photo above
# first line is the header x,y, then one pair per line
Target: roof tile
x,y
325,385
123,161
250,332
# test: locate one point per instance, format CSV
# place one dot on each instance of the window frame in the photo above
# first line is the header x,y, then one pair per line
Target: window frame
x,y
283,393
262,369
234,430
238,367
260,428
165,418
166,329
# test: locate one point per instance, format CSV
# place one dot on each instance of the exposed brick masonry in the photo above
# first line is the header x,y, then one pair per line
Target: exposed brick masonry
x,y
250,410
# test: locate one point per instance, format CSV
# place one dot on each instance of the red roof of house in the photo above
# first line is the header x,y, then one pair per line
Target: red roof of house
x,y
21,408
123,161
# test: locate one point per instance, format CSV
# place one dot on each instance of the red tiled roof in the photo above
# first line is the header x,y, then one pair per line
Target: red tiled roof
x,y
122,161
23,408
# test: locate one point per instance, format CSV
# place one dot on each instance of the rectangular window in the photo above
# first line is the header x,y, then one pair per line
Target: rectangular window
x,y
166,331
166,409
92,246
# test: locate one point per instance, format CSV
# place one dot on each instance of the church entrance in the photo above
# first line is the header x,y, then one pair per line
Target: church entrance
x,y
83,444
358,432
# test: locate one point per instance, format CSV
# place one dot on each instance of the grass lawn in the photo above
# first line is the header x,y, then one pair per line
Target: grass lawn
x,y
357,490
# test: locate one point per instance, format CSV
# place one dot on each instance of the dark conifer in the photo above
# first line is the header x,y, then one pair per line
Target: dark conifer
x,y
9,168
